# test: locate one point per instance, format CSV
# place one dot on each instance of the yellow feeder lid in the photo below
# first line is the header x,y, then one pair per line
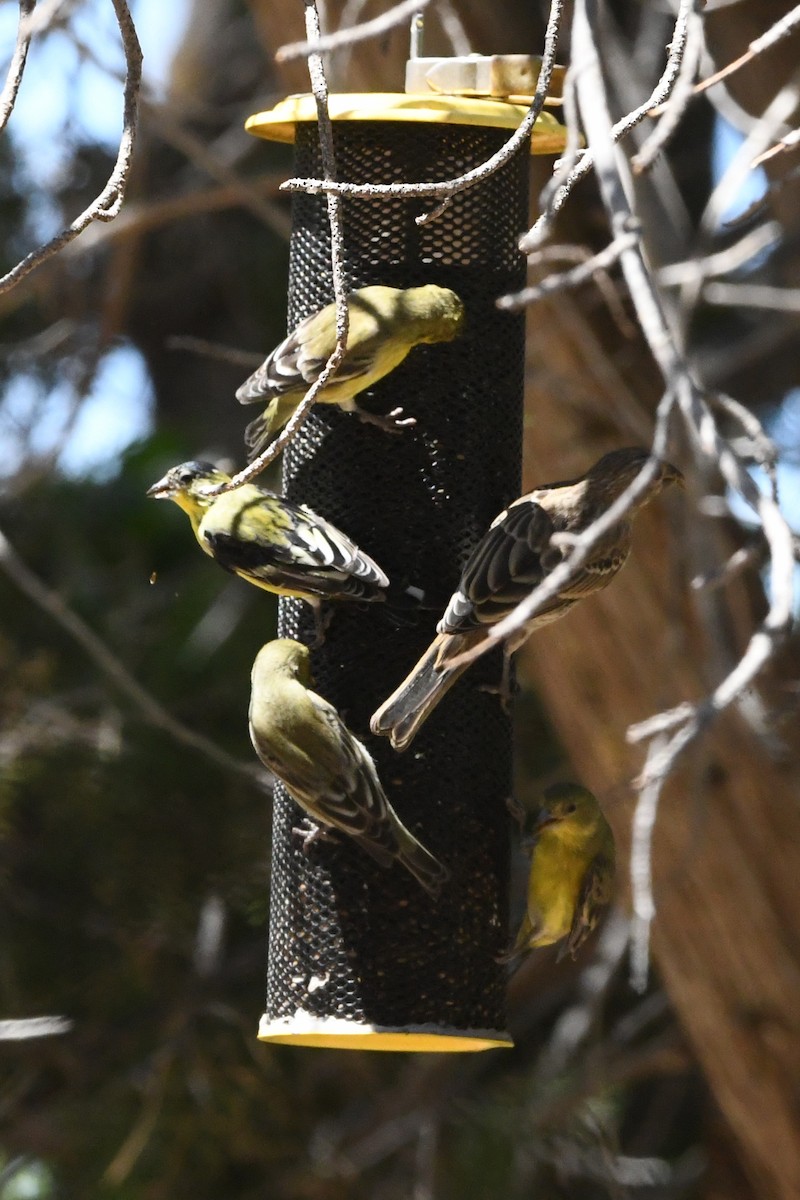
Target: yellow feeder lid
x,y
278,123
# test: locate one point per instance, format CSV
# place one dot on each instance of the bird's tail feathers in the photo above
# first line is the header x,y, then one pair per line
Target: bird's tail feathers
x,y
382,855
409,706
261,432
426,869
405,603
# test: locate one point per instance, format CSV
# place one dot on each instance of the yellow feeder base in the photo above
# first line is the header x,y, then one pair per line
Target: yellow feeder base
x,y
303,1029
278,123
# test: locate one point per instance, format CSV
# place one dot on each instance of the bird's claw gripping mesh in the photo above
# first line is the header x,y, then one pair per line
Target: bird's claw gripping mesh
x,y
350,940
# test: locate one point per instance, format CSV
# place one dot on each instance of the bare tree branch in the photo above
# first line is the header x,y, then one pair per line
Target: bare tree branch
x,y
319,87
661,92
16,67
753,295
33,1027
590,268
197,152
774,34
357,33
700,422
106,206
683,394
695,270
786,143
450,187
679,100
110,666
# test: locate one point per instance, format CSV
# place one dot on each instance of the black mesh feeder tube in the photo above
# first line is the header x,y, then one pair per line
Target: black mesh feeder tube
x,y
360,956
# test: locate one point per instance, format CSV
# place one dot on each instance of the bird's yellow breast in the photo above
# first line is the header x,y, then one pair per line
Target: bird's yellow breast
x,y
555,883
386,358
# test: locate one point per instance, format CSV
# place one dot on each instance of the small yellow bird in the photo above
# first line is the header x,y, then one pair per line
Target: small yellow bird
x,y
385,324
572,872
269,541
302,739
512,558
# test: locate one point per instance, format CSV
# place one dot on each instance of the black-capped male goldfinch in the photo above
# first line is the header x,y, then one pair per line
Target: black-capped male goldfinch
x,y
324,767
510,560
571,878
269,541
385,324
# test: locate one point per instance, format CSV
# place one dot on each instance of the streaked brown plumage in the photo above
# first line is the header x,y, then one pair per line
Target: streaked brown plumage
x,y
513,558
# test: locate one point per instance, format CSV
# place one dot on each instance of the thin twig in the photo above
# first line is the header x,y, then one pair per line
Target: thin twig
x,y
701,424
739,561
679,100
774,34
752,295
248,360
319,88
105,206
357,33
453,28
196,150
738,170
583,273
786,143
44,15
621,129
33,1027
16,67
694,270
142,216
110,666
684,723
451,187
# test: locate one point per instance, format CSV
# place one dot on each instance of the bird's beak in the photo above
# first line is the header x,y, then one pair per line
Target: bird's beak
x,y
161,490
543,819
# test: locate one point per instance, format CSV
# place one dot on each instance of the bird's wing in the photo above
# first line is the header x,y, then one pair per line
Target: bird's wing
x,y
341,782
510,560
607,557
269,532
595,894
300,358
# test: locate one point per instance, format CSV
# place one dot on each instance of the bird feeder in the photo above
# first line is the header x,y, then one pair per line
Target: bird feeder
x,y
360,956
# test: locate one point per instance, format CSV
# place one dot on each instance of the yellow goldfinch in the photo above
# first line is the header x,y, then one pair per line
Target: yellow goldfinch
x,y
572,872
512,558
302,739
269,541
385,324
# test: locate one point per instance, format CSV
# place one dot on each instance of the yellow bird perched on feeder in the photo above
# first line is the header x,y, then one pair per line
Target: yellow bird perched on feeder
x,y
385,325
269,541
572,870
324,767
515,555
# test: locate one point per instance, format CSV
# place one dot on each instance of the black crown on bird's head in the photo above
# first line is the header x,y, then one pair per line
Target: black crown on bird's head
x,y
184,476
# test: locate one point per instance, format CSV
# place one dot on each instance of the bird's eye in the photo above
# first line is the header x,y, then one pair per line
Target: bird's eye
x,y
185,477
570,808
